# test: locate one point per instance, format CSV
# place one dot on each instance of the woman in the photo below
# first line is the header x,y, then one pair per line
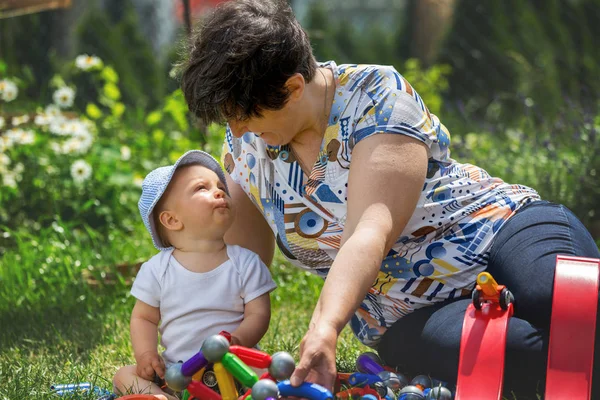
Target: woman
x,y
347,171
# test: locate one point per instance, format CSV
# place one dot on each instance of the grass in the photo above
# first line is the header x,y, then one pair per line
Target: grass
x,y
64,309
65,306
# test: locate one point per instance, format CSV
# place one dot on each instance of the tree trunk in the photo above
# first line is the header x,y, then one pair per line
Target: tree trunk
x,y
431,20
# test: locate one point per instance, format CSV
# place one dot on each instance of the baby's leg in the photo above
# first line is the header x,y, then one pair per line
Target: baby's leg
x,y
126,381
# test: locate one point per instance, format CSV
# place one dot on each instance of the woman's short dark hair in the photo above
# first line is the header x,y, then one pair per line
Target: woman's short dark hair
x,y
240,58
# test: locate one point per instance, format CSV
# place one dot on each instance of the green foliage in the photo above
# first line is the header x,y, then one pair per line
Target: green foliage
x,y
341,42
538,49
142,81
84,166
558,159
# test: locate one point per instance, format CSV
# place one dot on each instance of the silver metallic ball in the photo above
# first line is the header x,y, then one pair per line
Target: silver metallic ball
x,y
411,392
381,389
214,348
422,380
282,366
175,379
439,393
391,380
264,389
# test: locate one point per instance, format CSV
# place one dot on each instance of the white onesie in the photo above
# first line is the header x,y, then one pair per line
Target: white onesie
x,y
195,305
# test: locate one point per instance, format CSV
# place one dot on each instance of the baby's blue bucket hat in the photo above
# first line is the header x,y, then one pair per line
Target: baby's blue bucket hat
x,y
156,183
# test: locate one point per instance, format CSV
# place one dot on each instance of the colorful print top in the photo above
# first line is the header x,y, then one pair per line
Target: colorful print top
x,y
445,243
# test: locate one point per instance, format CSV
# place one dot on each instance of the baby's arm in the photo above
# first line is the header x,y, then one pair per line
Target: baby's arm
x,y
144,339
257,315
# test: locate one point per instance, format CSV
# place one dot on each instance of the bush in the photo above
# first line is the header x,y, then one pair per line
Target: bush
x,y
83,164
558,159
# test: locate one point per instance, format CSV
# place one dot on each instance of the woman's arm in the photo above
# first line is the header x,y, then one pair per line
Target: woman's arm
x,y
386,177
249,230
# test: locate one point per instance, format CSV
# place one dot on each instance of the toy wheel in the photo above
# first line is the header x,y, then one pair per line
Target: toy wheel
x,y
209,378
476,297
506,298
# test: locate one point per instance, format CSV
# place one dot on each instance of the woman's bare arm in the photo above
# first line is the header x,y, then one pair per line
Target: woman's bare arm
x,y
249,230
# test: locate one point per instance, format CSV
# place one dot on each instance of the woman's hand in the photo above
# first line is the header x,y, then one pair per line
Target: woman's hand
x,y
317,357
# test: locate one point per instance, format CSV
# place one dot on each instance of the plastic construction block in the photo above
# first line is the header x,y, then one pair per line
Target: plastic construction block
x,y
572,328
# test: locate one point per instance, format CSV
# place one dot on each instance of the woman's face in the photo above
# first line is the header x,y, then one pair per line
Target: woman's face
x,y
277,127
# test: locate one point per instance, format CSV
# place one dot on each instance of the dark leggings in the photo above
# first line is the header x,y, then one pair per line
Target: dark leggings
x,y
523,258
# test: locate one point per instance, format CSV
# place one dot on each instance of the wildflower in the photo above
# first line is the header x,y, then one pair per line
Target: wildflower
x,y
76,128
125,153
2,122
42,119
8,90
79,145
4,160
19,168
64,97
9,180
85,140
56,148
6,142
80,171
52,110
20,136
86,62
59,126
23,119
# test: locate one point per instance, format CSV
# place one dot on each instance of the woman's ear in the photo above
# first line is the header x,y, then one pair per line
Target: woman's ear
x,y
295,86
170,221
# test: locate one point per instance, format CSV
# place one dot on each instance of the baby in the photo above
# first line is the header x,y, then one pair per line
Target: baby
x,y
197,285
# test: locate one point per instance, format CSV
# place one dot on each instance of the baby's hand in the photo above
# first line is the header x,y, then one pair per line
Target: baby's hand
x,y
148,363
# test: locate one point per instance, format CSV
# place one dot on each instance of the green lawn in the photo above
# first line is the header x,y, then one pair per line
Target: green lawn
x,y
57,327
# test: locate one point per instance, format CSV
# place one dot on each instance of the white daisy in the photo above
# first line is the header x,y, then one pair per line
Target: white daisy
x,y
85,141
4,160
8,90
52,110
56,148
86,62
20,120
80,171
27,137
6,142
42,119
77,145
14,135
20,136
125,153
59,126
76,128
64,97
9,179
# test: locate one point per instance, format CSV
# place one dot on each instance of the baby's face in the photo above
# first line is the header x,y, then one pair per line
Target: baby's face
x,y
199,199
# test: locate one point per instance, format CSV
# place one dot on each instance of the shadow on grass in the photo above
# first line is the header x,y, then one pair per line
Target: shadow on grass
x,y
73,327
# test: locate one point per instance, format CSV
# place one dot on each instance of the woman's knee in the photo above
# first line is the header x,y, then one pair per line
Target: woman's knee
x,y
429,337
